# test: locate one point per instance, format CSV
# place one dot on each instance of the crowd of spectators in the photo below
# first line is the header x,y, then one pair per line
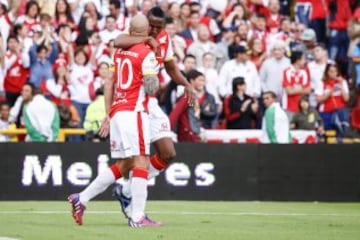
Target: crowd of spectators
x,y
305,51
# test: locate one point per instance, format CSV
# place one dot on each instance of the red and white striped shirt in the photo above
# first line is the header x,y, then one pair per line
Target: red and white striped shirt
x,y
293,77
335,101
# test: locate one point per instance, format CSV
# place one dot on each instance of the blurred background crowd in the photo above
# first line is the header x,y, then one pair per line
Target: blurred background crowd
x,y
307,52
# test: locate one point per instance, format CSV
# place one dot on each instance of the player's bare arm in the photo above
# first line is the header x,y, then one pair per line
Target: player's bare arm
x,y
176,75
125,41
109,98
151,84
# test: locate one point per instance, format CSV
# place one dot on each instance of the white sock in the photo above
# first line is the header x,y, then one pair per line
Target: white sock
x,y
99,185
126,188
139,193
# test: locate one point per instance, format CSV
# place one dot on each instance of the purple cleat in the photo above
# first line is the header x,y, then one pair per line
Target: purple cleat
x,y
77,208
144,222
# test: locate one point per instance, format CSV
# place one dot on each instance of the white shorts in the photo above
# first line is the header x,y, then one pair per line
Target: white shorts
x,y
129,134
159,122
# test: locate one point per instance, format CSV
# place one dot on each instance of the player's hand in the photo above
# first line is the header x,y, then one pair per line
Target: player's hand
x,y
154,45
104,128
190,94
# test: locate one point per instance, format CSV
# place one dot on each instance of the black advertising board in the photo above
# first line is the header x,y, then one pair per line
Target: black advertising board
x,y
34,171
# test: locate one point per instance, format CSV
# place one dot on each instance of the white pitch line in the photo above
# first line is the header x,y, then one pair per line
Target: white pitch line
x,y
186,213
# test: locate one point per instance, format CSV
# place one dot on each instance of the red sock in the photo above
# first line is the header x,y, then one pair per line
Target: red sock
x,y
140,173
115,170
157,162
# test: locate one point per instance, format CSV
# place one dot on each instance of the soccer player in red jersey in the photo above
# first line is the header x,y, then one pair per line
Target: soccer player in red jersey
x,y
127,97
160,133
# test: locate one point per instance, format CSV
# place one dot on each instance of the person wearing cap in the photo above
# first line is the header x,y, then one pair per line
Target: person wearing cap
x,y
240,66
308,39
239,108
271,71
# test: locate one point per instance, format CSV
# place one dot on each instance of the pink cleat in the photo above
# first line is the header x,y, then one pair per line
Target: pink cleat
x,y
144,222
77,208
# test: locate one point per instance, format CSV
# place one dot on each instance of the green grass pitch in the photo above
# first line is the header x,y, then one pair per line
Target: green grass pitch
x,y
184,220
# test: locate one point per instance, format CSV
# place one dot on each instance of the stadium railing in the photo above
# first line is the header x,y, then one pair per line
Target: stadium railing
x,y
63,132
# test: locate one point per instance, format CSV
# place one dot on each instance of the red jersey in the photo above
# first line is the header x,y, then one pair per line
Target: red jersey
x,y
293,77
16,73
319,9
166,51
130,68
335,101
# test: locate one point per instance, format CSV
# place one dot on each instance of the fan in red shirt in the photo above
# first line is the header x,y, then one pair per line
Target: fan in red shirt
x,y
296,83
332,94
17,70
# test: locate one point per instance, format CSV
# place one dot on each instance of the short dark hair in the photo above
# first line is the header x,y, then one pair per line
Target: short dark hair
x,y
295,56
189,56
12,37
157,12
194,12
193,74
34,90
4,103
237,81
61,26
41,47
192,4
82,50
116,3
17,28
271,93
111,16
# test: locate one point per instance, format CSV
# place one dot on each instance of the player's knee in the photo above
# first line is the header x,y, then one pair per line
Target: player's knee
x,y
168,155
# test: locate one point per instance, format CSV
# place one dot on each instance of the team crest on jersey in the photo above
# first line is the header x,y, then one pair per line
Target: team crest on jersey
x,y
162,40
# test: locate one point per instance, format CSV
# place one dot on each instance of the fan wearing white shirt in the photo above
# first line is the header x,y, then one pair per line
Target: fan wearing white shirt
x,y
81,77
316,70
240,66
110,32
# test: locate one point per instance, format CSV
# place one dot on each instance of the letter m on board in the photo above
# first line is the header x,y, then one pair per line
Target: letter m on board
x,y
32,170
